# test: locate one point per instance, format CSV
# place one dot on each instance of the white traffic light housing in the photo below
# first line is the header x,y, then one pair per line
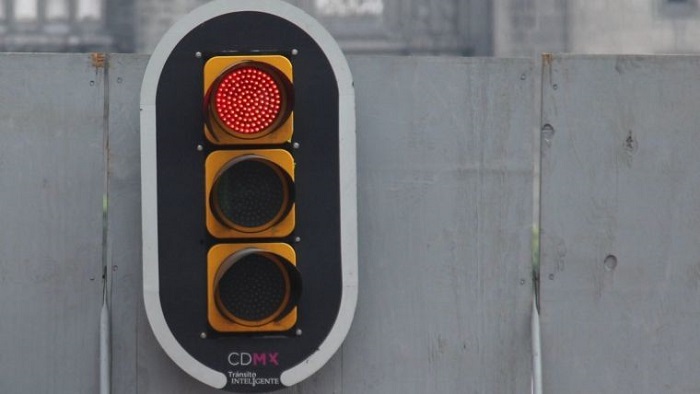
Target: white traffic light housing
x,y
249,195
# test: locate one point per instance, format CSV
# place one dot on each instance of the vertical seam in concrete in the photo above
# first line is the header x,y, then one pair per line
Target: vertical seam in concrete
x,y
544,65
342,363
100,61
479,260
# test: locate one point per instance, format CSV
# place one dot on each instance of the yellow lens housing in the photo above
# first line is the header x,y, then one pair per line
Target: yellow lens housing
x,y
214,132
223,322
217,162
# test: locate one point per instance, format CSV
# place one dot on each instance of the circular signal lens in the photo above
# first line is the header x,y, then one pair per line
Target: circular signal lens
x,y
252,289
250,99
251,194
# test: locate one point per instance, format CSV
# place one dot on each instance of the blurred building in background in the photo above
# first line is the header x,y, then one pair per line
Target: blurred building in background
x,y
456,27
431,27
66,25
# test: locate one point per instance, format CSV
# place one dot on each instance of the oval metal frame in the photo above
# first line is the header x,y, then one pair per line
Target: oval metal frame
x,y
348,186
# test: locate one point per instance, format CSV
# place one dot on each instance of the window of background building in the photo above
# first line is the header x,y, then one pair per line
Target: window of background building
x,y
89,10
56,9
25,10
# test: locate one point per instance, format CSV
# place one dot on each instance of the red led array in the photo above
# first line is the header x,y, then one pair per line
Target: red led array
x,y
248,100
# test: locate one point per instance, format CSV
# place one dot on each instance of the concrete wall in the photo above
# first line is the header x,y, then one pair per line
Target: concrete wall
x,y
444,196
449,153
620,291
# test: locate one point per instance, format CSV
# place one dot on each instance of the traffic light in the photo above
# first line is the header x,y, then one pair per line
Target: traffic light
x,y
249,100
248,195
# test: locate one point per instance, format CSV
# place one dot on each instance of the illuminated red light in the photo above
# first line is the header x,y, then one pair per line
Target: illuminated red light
x,y
249,100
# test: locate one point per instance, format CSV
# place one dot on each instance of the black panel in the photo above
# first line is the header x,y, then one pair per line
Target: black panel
x,y
183,239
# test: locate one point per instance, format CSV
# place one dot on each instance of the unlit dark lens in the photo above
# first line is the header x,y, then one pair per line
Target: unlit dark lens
x,y
251,193
253,288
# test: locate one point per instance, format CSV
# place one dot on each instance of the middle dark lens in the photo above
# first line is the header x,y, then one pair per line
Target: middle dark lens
x,y
251,194
254,289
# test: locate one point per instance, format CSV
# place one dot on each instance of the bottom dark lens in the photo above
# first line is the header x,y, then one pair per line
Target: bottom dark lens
x,y
254,289
251,193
